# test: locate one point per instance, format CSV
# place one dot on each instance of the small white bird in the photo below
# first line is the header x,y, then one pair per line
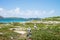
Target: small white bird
x,y
29,29
35,26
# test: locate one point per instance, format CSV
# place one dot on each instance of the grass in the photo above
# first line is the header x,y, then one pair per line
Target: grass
x,y
43,31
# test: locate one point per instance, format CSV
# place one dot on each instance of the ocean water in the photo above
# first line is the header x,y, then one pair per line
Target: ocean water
x,y
8,20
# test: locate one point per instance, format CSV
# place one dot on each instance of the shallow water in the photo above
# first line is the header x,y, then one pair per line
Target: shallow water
x,y
8,20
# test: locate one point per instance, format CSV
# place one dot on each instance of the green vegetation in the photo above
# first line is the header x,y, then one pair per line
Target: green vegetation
x,y
52,32
52,18
43,31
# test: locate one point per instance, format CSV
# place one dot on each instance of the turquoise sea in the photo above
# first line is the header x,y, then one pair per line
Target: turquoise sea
x,y
8,20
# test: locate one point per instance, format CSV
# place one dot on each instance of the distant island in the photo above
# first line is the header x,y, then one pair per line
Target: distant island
x,y
20,18
55,18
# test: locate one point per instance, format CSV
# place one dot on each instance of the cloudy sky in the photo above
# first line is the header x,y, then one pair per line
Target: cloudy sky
x,y
29,8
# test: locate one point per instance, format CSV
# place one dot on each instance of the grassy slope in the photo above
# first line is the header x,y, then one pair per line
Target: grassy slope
x,y
52,18
45,32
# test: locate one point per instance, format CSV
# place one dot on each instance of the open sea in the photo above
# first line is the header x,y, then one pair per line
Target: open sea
x,y
8,20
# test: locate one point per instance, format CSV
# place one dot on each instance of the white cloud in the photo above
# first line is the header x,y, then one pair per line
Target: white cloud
x,y
44,12
52,11
17,12
1,9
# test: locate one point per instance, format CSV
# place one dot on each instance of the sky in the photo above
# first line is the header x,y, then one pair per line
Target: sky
x,y
29,8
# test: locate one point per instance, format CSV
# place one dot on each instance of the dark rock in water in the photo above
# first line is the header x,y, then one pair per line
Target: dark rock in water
x,y
1,17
